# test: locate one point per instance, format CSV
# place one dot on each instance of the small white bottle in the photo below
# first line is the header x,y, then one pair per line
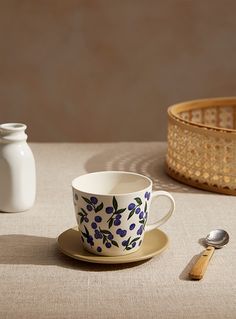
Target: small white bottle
x,y
17,169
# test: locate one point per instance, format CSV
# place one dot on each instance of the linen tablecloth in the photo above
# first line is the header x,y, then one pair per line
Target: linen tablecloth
x,y
37,281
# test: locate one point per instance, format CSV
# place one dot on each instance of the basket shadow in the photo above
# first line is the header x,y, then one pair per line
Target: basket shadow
x,y
147,160
17,249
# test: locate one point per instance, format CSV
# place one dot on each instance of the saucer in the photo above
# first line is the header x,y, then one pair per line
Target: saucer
x,y
154,243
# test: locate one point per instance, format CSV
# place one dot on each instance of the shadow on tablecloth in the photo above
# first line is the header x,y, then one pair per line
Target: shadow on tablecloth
x,y
17,249
147,160
185,272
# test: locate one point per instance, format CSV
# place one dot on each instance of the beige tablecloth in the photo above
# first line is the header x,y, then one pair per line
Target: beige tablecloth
x,y
36,281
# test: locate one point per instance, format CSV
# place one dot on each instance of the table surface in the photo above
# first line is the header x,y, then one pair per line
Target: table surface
x,y
37,281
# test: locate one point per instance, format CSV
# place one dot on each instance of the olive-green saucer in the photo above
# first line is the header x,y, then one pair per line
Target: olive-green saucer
x,y
154,243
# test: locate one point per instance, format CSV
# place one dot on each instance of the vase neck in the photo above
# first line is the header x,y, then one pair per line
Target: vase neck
x,y
12,132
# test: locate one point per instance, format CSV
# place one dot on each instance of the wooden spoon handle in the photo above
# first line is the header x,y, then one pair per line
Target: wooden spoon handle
x,y
200,266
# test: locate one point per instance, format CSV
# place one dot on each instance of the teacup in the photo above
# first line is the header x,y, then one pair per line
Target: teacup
x,y
111,209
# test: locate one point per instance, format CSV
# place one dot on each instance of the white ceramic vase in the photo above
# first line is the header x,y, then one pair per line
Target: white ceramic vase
x,y
17,169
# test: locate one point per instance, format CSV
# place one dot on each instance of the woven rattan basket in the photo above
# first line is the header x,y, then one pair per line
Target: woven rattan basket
x,y
202,144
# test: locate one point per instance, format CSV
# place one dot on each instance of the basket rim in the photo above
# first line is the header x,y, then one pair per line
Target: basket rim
x,y
175,109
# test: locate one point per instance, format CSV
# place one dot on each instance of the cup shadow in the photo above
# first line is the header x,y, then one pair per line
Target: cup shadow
x,y
17,249
146,160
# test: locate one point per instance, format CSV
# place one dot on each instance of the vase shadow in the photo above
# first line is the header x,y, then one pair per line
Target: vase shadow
x,y
17,249
146,160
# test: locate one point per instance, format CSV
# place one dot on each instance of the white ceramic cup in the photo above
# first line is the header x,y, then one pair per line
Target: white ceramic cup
x,y
111,209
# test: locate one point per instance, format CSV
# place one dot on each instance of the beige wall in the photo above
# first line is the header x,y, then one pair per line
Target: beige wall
x,y
107,70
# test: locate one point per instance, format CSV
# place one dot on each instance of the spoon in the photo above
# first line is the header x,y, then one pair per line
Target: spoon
x,y
217,238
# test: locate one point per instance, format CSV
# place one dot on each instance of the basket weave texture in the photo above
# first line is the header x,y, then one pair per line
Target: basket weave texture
x,y
202,144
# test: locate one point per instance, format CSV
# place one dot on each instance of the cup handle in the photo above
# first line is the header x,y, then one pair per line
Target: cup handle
x,y
167,215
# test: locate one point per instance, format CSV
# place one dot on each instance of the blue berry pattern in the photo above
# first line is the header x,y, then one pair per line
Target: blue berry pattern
x,y
121,232
143,218
106,236
147,195
115,218
109,210
92,204
140,230
135,208
132,226
130,243
98,219
89,213
87,236
83,216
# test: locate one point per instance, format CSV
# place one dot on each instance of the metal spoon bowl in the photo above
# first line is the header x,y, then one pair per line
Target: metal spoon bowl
x,y
217,238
